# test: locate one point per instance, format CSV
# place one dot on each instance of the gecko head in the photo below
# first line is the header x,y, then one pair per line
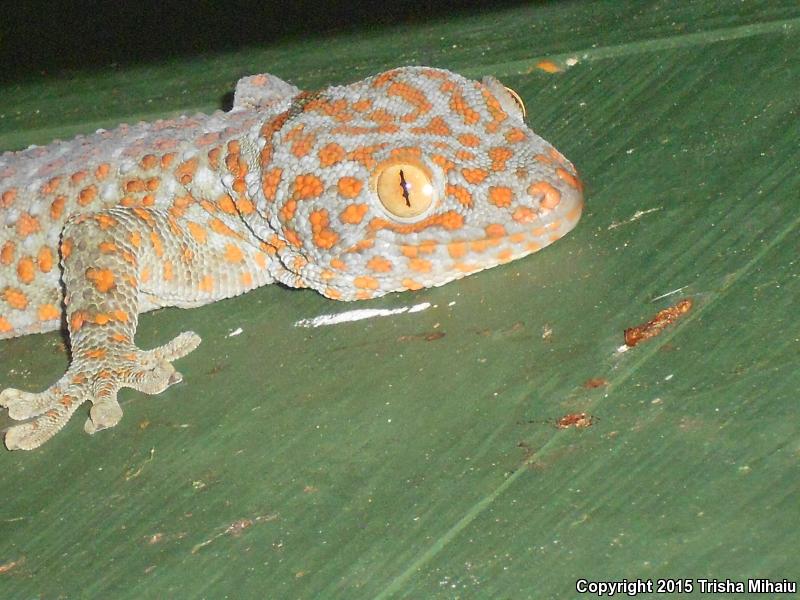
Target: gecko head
x,y
408,179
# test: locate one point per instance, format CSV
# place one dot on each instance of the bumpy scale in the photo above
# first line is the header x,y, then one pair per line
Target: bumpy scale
x,y
405,180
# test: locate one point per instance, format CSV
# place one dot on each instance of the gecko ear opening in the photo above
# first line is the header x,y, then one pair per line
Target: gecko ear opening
x,y
404,188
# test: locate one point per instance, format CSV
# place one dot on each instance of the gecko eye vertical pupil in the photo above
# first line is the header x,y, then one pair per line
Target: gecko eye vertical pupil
x,y
404,189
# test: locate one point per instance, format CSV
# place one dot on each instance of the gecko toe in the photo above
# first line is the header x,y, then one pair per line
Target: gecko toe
x,y
22,437
24,405
105,413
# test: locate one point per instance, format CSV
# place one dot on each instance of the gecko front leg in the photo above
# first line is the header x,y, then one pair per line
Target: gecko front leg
x,y
117,263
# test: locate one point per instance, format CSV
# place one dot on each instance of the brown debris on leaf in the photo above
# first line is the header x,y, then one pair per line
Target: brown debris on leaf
x,y
658,323
579,420
431,336
595,382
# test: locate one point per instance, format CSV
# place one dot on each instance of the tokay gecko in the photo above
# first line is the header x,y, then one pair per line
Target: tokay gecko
x,y
408,179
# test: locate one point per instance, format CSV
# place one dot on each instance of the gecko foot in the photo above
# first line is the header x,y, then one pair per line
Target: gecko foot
x,y
149,371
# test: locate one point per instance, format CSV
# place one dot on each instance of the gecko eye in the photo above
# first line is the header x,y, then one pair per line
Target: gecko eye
x,y
405,189
517,100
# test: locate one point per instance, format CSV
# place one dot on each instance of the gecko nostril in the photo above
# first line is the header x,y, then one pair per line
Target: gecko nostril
x,y
548,196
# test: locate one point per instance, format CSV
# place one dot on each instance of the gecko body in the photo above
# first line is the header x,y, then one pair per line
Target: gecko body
x,y
405,180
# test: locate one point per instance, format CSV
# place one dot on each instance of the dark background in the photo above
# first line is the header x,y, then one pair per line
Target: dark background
x,y
40,38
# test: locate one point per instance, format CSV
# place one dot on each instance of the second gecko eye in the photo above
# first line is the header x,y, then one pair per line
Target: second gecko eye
x,y
405,189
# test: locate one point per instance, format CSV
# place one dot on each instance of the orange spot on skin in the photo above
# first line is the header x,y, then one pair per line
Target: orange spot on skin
x,y
102,319
302,146
338,264
575,213
27,225
158,244
500,196
458,104
478,245
25,270
307,186
459,193
95,353
87,195
206,284
452,220
197,231
495,230
47,312
102,171
465,155
499,155
15,298
379,264
107,247
77,177
364,155
494,108
45,259
515,135
8,197
105,221
465,267
470,140
269,183
353,213
413,96
186,170
456,249
410,284
134,185
7,253
135,238
288,210
76,320
324,237
226,205
505,255
420,265
5,326
167,273
213,158
66,248
246,279
364,295
330,154
366,283
51,186
474,176
436,126
332,293
149,161
103,279
550,196
444,163
292,237
523,214
57,208
570,179
233,254
349,187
